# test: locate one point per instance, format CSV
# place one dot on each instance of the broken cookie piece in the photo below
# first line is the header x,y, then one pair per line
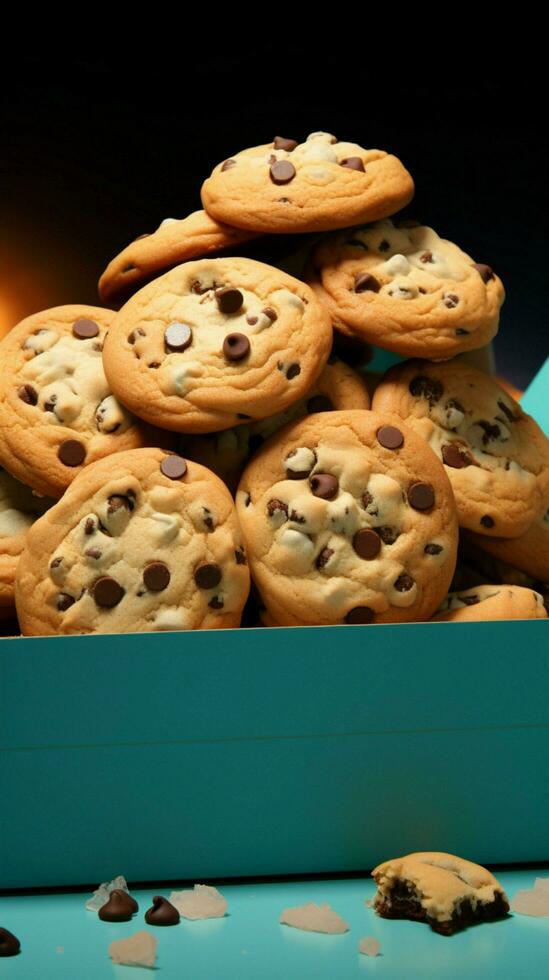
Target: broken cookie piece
x,y
447,892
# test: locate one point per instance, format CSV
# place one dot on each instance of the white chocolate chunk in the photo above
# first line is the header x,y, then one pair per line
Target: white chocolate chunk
x,y
136,950
200,902
314,918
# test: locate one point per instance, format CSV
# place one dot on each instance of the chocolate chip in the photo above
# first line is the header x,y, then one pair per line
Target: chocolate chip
x,y
319,403
119,908
55,562
71,452
252,320
387,534
199,288
367,544
280,365
229,300
469,600
49,405
384,246
353,163
484,271
490,431
153,365
507,412
451,300
268,311
207,575
324,485
236,346
93,553
64,601
177,336
174,467
426,256
367,499
28,394
296,518
248,500
277,505
118,501
404,583
135,334
216,602
280,143
240,557
282,172
487,521
365,282
433,549
162,913
107,592
84,329
9,944
89,526
390,437
228,165
324,557
293,371
423,387
454,456
156,576
359,615
421,496
284,200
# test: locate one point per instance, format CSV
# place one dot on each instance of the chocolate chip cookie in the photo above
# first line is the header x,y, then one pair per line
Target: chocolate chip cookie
x,y
317,185
57,412
141,541
174,241
216,343
440,889
19,508
491,602
496,456
529,552
348,517
227,452
406,290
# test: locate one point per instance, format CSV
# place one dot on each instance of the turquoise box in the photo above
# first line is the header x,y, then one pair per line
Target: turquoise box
x,y
262,752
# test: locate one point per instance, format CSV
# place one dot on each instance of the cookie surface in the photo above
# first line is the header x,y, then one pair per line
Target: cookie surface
x,y
496,456
406,290
317,185
57,412
441,889
227,452
174,241
491,602
140,541
215,343
529,552
348,517
19,508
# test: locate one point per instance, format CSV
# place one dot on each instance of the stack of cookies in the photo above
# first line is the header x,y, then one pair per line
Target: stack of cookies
x,y
203,434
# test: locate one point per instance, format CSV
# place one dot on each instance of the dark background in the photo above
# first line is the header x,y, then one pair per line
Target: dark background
x,y
99,145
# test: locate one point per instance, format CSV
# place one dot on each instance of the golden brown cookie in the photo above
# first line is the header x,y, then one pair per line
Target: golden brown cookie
x,y
174,241
404,289
529,552
227,452
441,889
496,456
215,343
285,186
140,541
57,412
491,602
348,517
19,508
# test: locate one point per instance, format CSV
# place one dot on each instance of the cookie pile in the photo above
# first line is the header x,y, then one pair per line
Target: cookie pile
x,y
198,431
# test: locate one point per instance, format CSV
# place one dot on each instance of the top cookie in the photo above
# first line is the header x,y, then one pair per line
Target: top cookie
x,y
404,289
57,413
496,456
285,186
174,241
215,343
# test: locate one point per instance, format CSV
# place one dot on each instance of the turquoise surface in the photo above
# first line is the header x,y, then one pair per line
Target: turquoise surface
x,y
60,939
